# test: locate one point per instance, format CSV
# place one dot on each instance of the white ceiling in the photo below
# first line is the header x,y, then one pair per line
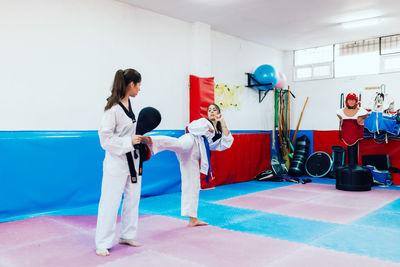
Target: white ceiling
x,y
284,24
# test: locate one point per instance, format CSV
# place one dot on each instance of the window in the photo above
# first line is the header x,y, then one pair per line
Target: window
x,y
357,58
390,63
313,55
304,73
313,63
390,53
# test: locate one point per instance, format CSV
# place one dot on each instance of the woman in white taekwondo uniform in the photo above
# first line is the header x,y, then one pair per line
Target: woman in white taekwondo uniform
x,y
204,135
120,167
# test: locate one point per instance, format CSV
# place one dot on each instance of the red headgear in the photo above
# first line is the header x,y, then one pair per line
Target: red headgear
x,y
351,96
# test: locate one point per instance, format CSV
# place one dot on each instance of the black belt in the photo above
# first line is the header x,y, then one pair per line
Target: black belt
x,y
131,165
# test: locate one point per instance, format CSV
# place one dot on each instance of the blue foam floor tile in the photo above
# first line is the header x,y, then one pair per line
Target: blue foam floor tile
x,y
161,205
322,180
283,227
233,190
84,210
393,206
381,219
220,215
376,242
217,215
217,194
386,217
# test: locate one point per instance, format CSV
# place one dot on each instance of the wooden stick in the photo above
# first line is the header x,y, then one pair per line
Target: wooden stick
x,y
280,120
282,131
372,87
288,97
282,112
298,123
273,123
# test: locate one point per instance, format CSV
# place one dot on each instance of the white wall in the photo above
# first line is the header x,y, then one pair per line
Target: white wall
x,y
59,57
58,60
324,95
231,59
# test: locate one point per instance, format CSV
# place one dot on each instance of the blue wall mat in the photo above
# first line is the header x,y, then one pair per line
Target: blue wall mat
x,y
42,171
308,133
46,171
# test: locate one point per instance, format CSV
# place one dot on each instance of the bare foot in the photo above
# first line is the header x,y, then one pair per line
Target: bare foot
x,y
102,252
195,222
208,188
129,242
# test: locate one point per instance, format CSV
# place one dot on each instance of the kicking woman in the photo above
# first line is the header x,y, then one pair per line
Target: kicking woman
x,y
204,135
120,166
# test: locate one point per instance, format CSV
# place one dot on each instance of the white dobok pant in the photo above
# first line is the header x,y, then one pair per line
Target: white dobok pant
x,y
188,154
111,192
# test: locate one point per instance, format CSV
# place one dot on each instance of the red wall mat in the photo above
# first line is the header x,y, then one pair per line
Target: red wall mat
x,y
392,148
324,140
201,96
396,178
249,155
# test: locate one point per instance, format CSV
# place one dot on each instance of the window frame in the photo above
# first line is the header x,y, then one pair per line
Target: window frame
x,y
380,45
332,64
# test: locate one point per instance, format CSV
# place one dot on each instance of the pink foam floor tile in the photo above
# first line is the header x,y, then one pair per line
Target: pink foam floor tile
x,y
370,202
256,202
165,241
150,258
324,213
206,245
213,246
328,188
23,232
288,193
83,222
312,187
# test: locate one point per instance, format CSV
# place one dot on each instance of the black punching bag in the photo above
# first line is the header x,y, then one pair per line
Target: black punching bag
x,y
297,163
353,177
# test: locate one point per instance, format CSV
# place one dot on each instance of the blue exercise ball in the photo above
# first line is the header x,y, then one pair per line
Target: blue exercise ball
x,y
266,74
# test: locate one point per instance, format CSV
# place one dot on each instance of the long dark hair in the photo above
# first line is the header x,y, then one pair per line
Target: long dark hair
x,y
121,80
219,127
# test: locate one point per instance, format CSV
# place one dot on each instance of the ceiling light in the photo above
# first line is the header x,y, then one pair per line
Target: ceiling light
x,y
361,23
